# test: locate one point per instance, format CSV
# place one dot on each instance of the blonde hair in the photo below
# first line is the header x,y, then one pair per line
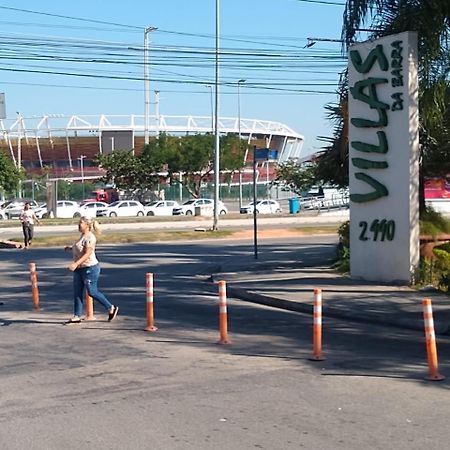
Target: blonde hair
x,y
93,225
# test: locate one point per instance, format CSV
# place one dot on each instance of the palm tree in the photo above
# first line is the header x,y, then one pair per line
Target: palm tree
x,y
431,19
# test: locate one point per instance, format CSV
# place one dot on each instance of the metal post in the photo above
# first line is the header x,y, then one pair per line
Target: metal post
x,y
146,84
19,149
216,125
81,158
255,225
212,106
239,128
157,112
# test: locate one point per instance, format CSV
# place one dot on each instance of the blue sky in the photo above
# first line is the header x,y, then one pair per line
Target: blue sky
x,y
263,42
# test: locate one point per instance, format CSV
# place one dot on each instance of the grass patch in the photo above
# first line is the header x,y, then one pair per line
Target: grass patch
x,y
317,229
60,240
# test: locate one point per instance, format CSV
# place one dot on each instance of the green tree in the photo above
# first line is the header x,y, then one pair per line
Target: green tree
x,y
169,156
331,165
129,172
232,154
298,178
10,175
192,157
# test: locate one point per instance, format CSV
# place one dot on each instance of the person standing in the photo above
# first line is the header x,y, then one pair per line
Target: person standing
x,y
86,270
28,218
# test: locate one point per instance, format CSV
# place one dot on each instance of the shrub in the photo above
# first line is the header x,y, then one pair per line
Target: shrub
x,y
442,267
343,251
433,223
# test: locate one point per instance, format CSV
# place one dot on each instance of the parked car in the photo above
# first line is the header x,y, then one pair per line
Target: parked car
x,y
262,207
160,208
122,208
13,208
41,211
90,209
65,209
188,207
2,215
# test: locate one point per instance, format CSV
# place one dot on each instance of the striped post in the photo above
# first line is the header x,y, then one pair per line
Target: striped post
x,y
223,316
430,340
317,326
88,307
149,294
34,286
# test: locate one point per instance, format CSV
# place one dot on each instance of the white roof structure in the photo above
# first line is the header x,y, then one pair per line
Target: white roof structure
x,y
277,135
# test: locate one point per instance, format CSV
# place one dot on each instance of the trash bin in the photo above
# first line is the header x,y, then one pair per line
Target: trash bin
x,y
294,205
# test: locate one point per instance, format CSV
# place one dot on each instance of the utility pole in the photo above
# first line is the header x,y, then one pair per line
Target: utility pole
x,y
19,148
147,83
212,106
157,112
216,125
239,128
81,158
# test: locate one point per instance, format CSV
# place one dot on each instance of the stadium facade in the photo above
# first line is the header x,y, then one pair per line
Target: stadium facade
x,y
66,145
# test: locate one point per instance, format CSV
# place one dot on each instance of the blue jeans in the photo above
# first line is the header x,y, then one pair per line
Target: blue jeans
x,y
28,231
87,277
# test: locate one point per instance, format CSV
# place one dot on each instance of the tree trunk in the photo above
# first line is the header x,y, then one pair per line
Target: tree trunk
x,y
421,194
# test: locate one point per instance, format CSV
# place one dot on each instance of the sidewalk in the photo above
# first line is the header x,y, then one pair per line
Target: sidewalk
x,y
289,287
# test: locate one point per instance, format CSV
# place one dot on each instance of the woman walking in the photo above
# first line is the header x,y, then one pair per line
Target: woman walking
x,y
28,218
86,270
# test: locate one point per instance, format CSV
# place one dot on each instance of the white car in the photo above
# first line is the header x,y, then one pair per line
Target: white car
x,y
65,209
160,208
13,208
89,209
262,207
41,211
122,208
188,208
2,215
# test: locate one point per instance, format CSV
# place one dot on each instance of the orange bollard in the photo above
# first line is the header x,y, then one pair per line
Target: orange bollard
x,y
223,316
317,326
430,339
150,317
34,286
88,307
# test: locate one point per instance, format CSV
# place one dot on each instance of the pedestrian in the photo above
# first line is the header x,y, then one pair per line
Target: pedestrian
x,y
28,218
86,270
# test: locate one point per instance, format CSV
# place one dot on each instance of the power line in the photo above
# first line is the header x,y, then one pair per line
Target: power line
x,y
321,2
176,91
61,16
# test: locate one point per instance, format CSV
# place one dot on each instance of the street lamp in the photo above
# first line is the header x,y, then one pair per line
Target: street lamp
x,y
81,158
239,127
147,84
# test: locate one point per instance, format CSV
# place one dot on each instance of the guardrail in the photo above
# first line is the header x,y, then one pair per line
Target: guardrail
x,y
319,203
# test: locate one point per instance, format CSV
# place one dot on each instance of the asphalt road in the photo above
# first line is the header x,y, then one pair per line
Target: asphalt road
x,y
113,386
230,221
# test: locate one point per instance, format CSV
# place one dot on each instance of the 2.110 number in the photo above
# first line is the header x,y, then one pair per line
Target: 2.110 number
x,y
380,229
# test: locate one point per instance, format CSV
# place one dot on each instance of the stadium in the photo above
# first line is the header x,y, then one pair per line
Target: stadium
x,y
64,146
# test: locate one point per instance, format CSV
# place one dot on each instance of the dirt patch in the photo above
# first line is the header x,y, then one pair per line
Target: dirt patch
x,y
270,233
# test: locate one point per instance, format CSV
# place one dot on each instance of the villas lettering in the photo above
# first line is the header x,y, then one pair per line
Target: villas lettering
x,y
367,91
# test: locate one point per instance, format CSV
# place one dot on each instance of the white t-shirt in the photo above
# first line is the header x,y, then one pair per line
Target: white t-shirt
x,y
27,217
78,249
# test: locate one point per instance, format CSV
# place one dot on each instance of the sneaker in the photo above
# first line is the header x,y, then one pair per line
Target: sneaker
x,y
72,320
112,315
